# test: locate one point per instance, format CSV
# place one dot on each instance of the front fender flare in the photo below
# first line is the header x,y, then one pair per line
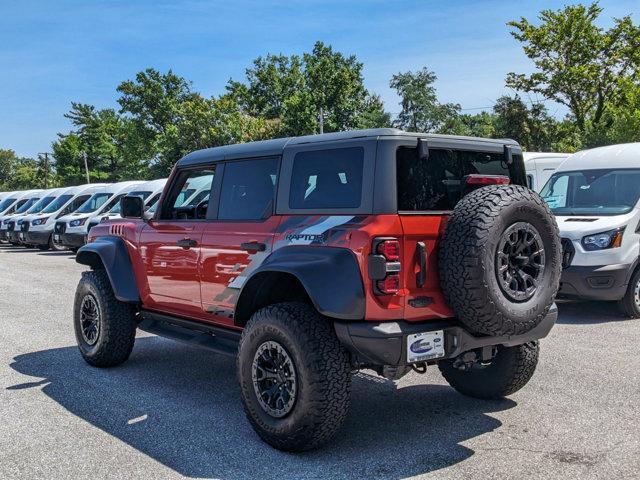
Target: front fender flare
x,y
111,254
331,277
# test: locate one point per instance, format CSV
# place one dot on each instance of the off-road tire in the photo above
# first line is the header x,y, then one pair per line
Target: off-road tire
x,y
117,322
323,376
508,372
630,304
467,260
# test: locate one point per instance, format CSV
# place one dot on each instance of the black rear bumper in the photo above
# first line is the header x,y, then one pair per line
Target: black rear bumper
x,y
385,343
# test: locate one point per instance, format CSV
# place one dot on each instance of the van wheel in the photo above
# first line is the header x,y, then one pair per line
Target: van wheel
x,y
294,376
509,371
54,246
630,303
105,327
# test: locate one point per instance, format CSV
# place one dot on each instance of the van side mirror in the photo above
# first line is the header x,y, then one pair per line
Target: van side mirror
x,y
423,149
132,206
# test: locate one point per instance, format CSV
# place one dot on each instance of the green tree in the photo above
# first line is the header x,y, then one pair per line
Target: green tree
x,y
578,64
531,126
293,90
421,110
22,173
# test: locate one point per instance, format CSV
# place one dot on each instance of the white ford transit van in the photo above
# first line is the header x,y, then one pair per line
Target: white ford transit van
x,y
595,197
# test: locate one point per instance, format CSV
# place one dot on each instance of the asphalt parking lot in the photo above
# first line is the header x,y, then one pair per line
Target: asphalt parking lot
x,y
173,410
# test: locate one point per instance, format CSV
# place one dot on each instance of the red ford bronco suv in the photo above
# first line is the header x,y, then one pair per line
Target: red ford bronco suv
x,y
310,258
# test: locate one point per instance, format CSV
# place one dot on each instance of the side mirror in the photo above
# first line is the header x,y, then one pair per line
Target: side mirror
x,y
423,149
132,206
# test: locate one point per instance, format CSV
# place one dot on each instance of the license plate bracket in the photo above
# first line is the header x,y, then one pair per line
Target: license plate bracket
x,y
425,346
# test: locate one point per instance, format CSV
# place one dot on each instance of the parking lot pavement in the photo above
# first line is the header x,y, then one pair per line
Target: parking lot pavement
x,y
173,410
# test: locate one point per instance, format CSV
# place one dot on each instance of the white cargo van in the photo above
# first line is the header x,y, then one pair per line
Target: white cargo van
x,y
540,166
39,230
595,197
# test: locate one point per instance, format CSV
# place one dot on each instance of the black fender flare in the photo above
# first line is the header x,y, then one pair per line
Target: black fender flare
x,y
111,254
331,277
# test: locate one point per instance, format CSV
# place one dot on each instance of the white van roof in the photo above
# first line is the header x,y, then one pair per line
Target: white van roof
x,y
625,155
535,155
125,187
153,185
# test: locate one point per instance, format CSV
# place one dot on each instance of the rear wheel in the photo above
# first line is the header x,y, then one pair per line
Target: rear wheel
x,y
630,303
510,369
105,327
294,377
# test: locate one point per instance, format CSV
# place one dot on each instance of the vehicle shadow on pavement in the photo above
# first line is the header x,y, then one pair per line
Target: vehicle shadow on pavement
x,y
584,312
180,406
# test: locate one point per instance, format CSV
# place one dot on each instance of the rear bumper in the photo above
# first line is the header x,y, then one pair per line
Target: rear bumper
x,y
385,343
37,238
72,240
604,282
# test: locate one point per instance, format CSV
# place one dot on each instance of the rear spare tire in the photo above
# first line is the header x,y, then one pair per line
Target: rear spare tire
x,y
500,260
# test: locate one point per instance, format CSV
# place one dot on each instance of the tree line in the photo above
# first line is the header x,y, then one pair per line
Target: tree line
x,y
592,71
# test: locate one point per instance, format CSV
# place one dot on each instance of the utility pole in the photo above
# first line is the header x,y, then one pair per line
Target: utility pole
x,y
86,167
46,168
321,118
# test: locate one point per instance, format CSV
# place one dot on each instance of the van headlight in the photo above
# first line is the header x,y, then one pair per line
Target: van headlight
x,y
77,223
604,240
39,221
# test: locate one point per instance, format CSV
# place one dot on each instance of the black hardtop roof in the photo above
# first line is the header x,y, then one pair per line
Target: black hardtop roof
x,y
265,148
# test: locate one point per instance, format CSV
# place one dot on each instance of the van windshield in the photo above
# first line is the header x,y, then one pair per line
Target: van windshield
x,y
37,208
6,203
94,203
57,204
593,192
27,205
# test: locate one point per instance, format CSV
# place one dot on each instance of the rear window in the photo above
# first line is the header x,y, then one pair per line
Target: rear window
x,y
325,179
437,183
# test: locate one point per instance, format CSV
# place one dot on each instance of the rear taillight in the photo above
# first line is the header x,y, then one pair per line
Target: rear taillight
x,y
390,285
390,249
384,266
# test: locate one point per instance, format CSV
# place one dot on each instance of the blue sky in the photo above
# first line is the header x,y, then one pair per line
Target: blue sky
x,y
55,52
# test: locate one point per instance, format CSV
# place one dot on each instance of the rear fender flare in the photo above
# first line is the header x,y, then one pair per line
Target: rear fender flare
x,y
331,277
110,253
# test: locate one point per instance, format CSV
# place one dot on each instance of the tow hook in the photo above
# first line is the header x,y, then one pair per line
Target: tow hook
x,y
483,356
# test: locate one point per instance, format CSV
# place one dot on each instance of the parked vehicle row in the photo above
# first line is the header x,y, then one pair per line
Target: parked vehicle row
x,y
61,218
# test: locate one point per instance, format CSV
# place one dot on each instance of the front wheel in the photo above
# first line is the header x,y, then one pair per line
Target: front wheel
x,y
294,377
630,303
509,370
105,327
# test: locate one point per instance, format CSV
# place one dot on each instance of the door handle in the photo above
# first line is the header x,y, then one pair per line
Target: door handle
x,y
421,275
186,243
253,246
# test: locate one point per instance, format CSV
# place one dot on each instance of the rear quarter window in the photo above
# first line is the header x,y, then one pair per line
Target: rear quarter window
x,y
327,179
436,184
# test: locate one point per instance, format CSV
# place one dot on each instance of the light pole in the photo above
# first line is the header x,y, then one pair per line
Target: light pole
x,y
86,166
46,168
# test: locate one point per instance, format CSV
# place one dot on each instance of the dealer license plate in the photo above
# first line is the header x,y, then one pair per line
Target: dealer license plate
x,y
56,238
425,346
21,236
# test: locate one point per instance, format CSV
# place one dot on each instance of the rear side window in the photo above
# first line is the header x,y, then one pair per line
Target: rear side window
x,y
248,189
437,183
325,179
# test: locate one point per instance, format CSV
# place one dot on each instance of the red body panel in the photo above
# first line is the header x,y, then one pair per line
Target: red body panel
x,y
204,282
